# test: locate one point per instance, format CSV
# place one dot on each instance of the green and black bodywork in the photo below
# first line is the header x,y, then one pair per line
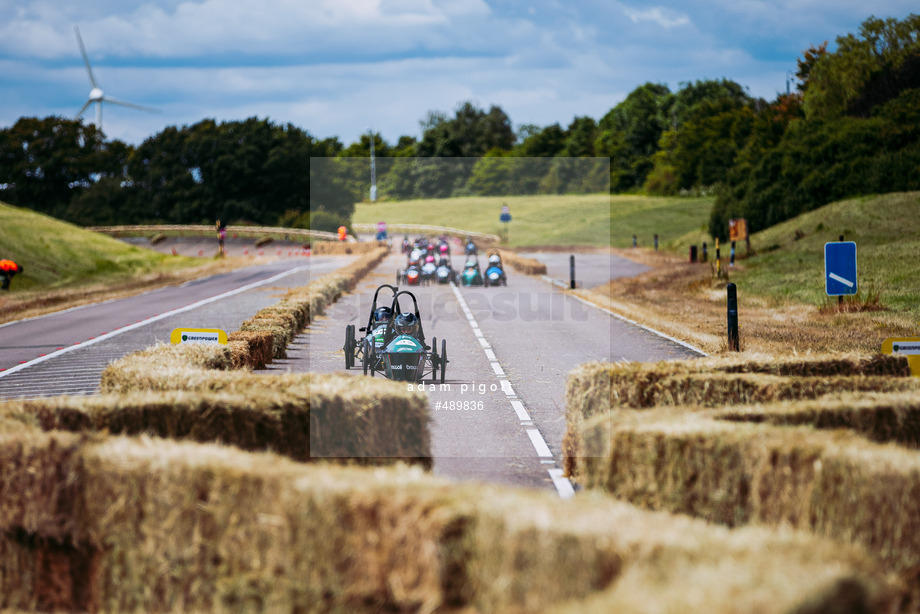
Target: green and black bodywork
x,y
405,357
374,332
471,275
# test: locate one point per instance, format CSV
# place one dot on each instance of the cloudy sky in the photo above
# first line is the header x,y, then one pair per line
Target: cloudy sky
x,y
341,67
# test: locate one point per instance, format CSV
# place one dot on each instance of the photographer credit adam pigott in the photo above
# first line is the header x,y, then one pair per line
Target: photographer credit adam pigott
x,y
463,389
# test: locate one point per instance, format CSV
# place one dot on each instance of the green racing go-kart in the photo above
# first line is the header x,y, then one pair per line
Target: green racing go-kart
x,y
402,354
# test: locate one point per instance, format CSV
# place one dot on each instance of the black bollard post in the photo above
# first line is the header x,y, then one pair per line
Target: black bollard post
x,y
572,271
656,241
731,261
718,260
635,241
734,344
705,257
692,254
840,297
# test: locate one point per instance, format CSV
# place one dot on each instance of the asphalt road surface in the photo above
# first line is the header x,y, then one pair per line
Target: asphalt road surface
x,y
499,416
65,352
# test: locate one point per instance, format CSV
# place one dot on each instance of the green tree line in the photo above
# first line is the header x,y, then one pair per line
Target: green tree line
x,y
852,126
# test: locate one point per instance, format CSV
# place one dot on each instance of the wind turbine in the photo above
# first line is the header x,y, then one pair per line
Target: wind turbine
x,y
96,95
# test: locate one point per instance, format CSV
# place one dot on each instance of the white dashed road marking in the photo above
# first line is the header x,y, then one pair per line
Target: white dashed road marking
x,y
562,483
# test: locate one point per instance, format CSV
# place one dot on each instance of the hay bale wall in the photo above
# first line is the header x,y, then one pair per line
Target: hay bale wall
x,y
831,483
289,316
760,443
339,248
187,527
528,266
306,417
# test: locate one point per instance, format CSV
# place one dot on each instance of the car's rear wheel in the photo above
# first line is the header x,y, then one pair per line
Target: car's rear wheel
x,y
443,360
435,359
365,359
349,346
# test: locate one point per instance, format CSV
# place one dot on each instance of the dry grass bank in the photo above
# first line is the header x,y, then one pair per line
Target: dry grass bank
x,y
688,303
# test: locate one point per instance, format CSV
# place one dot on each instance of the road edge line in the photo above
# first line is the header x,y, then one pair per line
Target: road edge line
x,y
156,318
625,319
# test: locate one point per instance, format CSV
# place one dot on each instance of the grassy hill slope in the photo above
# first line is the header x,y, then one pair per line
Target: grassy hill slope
x,y
56,254
593,219
783,307
789,260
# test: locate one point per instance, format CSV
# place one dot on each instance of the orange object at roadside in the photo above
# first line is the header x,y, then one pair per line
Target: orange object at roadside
x,y
9,266
343,233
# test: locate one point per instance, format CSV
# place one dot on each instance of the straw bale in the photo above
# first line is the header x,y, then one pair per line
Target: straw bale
x,y
587,394
305,417
254,350
716,382
186,527
169,367
528,266
881,417
227,531
833,483
297,307
280,328
814,365
35,494
643,389
820,365
338,248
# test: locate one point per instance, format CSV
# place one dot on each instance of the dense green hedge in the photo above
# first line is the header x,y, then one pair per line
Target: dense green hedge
x,y
820,161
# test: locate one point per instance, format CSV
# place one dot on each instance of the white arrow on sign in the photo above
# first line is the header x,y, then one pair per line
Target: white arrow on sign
x,y
845,282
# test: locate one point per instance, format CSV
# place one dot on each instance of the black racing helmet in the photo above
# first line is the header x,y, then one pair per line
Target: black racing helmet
x,y
382,314
406,324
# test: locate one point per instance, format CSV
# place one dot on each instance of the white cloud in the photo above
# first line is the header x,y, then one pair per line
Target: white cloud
x,y
337,67
666,18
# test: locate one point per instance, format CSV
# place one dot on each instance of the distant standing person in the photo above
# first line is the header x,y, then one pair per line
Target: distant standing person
x,y
221,237
8,268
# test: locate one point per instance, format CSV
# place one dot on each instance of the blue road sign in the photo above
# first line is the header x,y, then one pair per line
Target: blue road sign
x,y
840,268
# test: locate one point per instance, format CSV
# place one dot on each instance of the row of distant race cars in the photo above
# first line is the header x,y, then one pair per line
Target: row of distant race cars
x,y
429,262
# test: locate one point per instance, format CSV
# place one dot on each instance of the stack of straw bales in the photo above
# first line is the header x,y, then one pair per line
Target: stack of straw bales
x,y
285,319
141,525
528,266
305,417
149,498
827,445
338,248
